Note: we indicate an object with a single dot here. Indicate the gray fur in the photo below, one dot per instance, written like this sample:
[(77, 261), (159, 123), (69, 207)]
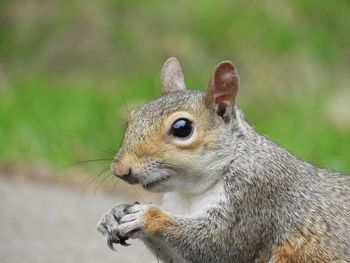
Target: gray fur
[(268, 194)]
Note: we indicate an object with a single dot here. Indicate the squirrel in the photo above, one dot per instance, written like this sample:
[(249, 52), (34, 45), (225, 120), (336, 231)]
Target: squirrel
[(231, 195)]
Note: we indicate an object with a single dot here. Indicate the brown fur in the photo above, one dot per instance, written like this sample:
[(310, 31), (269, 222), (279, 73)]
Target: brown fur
[(305, 245), (272, 207), (156, 143), (154, 220)]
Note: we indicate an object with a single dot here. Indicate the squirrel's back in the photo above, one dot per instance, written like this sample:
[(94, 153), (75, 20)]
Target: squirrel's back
[(307, 208)]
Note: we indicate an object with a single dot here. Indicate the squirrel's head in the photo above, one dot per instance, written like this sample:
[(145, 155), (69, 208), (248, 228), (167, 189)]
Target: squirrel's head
[(171, 142)]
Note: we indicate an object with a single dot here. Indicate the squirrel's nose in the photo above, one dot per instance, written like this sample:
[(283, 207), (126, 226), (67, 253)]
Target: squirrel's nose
[(124, 172), (120, 169)]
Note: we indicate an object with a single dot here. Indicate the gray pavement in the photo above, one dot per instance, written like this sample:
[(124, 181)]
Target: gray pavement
[(47, 223)]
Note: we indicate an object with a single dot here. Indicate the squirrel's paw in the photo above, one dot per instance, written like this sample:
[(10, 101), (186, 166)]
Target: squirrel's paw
[(132, 223), (109, 224)]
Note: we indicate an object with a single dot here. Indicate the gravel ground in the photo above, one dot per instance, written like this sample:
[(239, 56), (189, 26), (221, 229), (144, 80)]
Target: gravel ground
[(47, 223)]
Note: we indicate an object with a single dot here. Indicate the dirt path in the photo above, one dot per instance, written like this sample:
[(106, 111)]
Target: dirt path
[(46, 223)]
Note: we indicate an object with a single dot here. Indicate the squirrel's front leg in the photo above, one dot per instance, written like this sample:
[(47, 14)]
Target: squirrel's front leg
[(132, 221), (195, 239), (136, 221)]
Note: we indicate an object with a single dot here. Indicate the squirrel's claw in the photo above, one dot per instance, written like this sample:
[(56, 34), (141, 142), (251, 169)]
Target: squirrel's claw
[(110, 241), (115, 238), (108, 226), (123, 242)]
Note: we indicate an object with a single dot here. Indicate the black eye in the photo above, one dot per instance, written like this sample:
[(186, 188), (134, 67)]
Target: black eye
[(181, 128)]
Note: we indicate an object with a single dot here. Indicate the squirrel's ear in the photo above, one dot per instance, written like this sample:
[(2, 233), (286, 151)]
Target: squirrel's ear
[(222, 89), (172, 78)]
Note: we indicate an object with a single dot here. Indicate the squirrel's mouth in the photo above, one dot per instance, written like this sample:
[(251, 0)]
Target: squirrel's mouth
[(153, 185)]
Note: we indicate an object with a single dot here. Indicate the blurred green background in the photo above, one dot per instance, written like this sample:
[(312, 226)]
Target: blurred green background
[(68, 70)]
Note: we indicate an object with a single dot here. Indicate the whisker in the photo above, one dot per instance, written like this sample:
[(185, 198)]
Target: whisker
[(105, 149), (102, 181), (89, 181), (94, 177), (115, 185), (80, 162), (123, 98)]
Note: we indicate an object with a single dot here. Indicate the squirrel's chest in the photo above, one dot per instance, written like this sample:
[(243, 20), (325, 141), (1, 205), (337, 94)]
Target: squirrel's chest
[(184, 204)]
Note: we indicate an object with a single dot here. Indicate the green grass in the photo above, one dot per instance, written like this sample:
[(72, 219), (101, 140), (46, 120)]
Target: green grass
[(68, 69), (61, 125)]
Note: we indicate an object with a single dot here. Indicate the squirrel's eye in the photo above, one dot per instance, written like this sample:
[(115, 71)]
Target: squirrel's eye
[(181, 128)]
